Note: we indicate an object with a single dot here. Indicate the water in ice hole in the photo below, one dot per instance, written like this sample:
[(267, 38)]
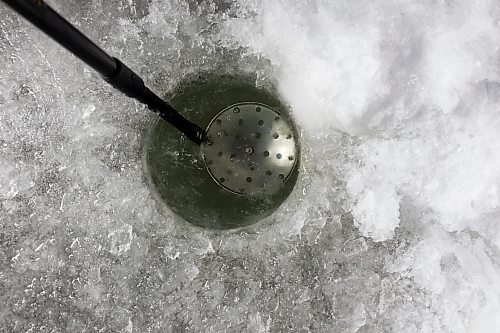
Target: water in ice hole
[(178, 177), (395, 224)]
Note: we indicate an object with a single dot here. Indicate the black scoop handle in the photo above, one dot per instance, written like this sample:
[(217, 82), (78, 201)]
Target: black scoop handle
[(111, 69)]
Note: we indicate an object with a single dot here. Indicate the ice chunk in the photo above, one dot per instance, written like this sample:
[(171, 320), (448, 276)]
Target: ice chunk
[(121, 239), (376, 209)]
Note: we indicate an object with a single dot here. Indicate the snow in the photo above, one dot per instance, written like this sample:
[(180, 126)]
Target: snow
[(393, 225)]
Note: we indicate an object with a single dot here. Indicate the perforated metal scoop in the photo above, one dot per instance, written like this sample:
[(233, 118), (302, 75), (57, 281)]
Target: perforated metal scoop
[(250, 149)]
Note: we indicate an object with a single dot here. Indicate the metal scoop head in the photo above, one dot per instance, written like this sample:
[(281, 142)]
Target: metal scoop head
[(250, 149)]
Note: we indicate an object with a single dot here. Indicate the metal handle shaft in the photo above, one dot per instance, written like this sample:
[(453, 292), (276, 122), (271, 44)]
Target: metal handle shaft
[(111, 69)]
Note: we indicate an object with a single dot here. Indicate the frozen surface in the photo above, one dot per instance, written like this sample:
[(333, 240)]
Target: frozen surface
[(394, 226)]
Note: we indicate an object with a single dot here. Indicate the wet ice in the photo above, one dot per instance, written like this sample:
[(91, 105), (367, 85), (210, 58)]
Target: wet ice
[(394, 223)]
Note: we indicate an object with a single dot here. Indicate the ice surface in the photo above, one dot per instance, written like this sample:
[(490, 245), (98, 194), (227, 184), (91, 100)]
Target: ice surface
[(394, 226)]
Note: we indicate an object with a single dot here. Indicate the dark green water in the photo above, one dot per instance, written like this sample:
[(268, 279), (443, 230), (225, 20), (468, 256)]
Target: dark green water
[(175, 168)]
